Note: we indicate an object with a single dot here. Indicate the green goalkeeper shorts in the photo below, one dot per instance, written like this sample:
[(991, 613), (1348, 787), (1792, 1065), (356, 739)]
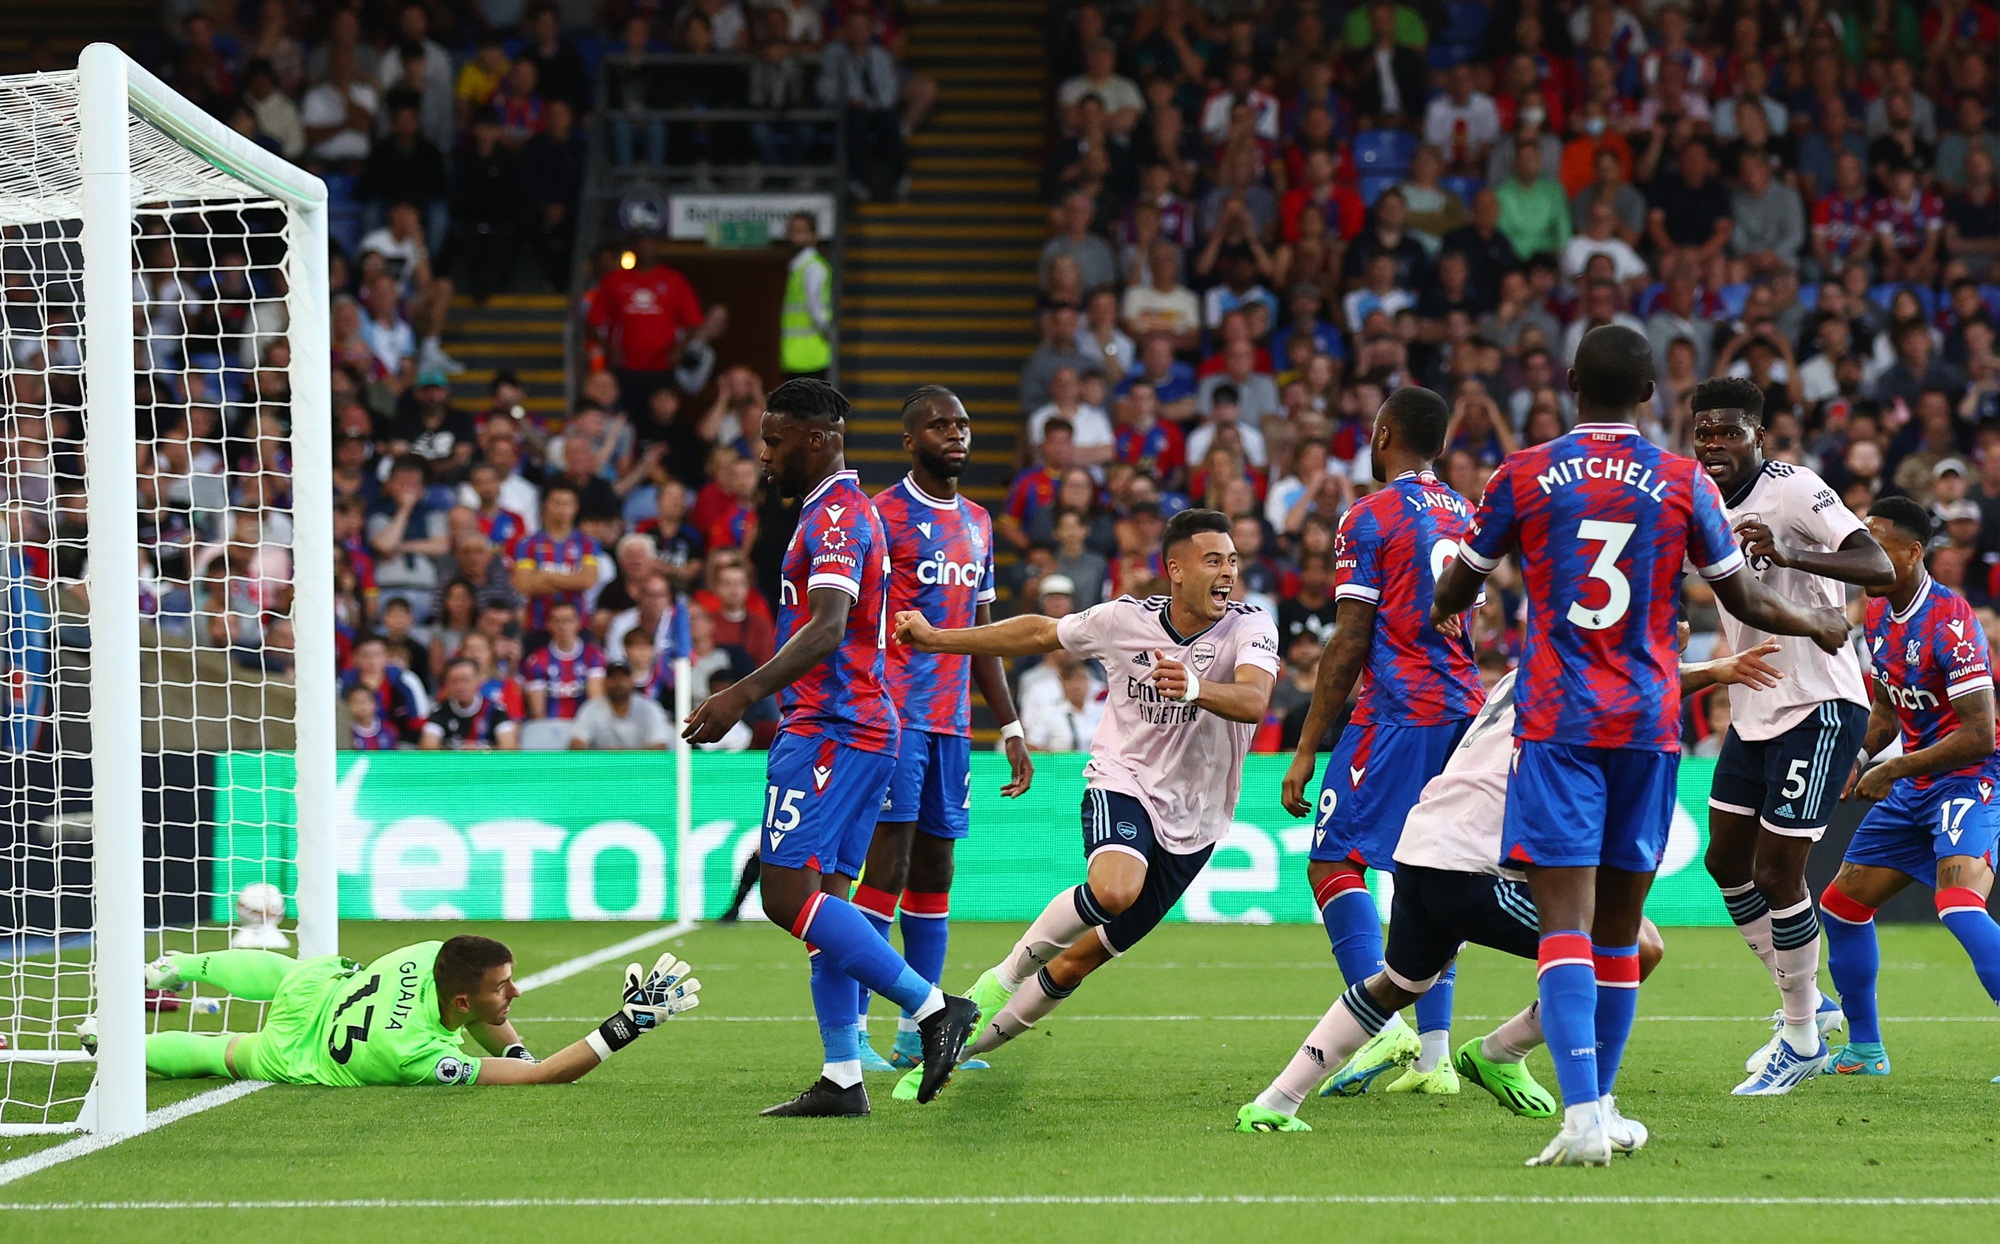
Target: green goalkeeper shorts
[(286, 1048)]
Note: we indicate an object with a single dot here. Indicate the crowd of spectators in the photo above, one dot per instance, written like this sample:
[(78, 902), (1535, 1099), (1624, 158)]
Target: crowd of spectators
[(505, 576), (1266, 217)]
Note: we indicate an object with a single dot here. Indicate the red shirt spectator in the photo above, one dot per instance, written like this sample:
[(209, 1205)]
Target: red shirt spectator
[(737, 624), (1346, 215), (645, 312)]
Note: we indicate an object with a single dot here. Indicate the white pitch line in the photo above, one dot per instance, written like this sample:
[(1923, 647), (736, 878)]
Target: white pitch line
[(83, 1146), (617, 950), (1223, 1200)]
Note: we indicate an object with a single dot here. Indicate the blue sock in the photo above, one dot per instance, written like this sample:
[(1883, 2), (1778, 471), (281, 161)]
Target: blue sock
[(833, 1005), (1434, 1008), (1567, 985), (879, 907), (926, 924), (844, 936), (1617, 972), (1964, 913), (1353, 925), (1853, 960)]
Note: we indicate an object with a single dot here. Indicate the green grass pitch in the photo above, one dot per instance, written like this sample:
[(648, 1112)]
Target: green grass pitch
[(1105, 1123)]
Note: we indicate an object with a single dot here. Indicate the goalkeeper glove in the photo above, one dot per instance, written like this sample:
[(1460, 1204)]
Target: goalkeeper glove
[(519, 1051), (651, 999)]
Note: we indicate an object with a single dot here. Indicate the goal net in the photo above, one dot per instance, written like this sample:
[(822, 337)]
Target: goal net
[(166, 631)]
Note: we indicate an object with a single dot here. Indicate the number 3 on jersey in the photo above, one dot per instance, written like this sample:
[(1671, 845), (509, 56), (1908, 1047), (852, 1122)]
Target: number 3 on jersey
[(1611, 539)]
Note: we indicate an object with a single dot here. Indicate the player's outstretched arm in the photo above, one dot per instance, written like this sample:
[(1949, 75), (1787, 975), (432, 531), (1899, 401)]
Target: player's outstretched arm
[(1339, 667), (808, 647), (651, 999), (1028, 635), (1246, 699), (1746, 669), (1859, 559), (1971, 743), (1742, 595), (992, 679)]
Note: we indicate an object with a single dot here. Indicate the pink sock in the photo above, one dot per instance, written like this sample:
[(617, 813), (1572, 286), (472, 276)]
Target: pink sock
[(1512, 1041), (1036, 997), (1337, 1035)]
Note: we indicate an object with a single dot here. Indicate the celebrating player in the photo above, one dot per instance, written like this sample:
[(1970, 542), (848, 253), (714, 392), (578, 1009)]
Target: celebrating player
[(1936, 823), (830, 765), (403, 1019), (1191, 676), (1420, 689), (1787, 750), (941, 565), (1595, 709), (1449, 890)]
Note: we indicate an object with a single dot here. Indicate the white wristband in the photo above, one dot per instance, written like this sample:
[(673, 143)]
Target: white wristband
[(598, 1045), (1193, 691), (1012, 730)]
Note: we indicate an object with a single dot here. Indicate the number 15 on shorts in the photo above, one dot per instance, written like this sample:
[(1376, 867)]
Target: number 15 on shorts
[(781, 813)]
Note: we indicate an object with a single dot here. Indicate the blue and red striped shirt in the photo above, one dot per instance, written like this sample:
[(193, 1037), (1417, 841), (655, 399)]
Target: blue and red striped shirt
[(840, 544), (564, 676), (1391, 547), (1604, 522), (941, 565), (573, 552)]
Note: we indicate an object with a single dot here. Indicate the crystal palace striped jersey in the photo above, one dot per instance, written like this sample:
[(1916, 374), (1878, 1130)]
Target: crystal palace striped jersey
[(941, 565), (1924, 658), (1391, 547), (840, 544), (1603, 520)]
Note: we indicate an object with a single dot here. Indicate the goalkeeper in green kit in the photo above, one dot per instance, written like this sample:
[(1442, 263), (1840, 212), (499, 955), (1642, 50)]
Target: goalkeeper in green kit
[(402, 1019)]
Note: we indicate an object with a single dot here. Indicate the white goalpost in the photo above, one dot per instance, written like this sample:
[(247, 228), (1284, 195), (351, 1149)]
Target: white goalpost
[(166, 572)]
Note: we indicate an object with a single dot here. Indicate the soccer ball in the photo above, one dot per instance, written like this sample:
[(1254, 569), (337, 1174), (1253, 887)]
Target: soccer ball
[(259, 908)]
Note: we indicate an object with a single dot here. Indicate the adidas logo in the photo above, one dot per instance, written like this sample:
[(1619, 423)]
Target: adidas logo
[(1143, 661), (1314, 1053), (1787, 813)]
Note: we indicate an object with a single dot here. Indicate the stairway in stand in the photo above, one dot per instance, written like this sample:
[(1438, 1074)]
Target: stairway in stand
[(521, 333), (941, 289)]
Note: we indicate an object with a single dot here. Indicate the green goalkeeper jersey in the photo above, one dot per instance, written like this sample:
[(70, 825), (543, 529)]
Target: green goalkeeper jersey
[(332, 1023)]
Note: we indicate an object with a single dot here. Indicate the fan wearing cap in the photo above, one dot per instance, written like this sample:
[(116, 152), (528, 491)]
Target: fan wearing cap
[(1949, 483)]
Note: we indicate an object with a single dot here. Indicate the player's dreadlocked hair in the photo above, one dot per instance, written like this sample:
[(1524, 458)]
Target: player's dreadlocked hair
[(1729, 393), (1905, 516), (921, 399), (463, 962), (1420, 418), (809, 401)]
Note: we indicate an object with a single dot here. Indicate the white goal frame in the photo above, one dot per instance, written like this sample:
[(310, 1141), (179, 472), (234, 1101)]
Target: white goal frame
[(113, 91)]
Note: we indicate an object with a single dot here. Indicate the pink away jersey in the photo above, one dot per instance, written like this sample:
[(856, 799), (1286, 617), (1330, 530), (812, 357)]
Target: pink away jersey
[(1183, 764)]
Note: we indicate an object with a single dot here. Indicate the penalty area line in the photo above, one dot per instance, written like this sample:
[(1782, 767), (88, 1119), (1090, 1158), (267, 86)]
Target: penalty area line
[(84, 1146), (838, 1202)]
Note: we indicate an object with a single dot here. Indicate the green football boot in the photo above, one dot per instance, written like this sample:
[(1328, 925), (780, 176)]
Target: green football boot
[(1394, 1046), (1439, 1081), (1256, 1118), (1510, 1083)]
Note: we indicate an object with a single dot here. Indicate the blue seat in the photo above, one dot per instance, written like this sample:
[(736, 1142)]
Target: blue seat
[(1990, 295), (1443, 56), (1809, 297), (1733, 298), (1384, 151), (1466, 188), (1373, 184), (1465, 22), (1649, 299)]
